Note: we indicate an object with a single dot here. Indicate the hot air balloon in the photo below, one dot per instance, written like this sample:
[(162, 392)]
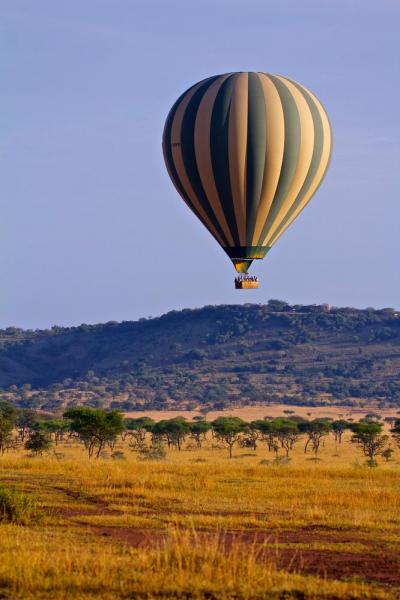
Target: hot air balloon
[(246, 152)]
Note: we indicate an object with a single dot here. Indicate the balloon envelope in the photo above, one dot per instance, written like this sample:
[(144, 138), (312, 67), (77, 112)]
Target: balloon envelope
[(246, 152)]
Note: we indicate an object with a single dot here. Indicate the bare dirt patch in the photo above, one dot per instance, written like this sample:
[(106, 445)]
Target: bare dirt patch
[(378, 565), (138, 538)]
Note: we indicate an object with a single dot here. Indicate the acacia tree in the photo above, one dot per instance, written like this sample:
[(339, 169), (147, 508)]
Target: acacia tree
[(287, 432), (173, 431), (177, 429), (8, 415), (25, 422), (368, 436), (95, 427), (395, 431), (56, 428), (228, 430), (250, 437), (137, 429), (266, 432), (315, 431), (198, 431), (338, 428)]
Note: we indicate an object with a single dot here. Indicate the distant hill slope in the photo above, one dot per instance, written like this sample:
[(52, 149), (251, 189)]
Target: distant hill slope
[(217, 355)]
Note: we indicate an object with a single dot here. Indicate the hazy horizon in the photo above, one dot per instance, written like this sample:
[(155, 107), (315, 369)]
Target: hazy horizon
[(91, 223)]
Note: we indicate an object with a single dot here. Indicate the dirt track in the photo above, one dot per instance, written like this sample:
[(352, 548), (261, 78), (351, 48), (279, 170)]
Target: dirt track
[(377, 564)]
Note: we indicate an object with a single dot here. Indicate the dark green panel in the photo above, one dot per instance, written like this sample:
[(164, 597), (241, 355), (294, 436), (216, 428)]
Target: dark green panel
[(290, 153), (256, 149), (220, 153), (167, 145), (246, 252), (189, 153)]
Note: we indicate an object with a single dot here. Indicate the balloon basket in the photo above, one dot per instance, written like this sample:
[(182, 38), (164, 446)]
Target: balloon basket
[(246, 282)]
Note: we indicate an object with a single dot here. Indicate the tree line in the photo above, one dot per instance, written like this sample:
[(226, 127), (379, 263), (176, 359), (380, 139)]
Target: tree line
[(97, 429)]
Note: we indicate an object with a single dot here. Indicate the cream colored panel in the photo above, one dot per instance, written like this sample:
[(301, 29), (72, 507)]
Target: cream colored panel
[(303, 161), (274, 152), (325, 156)]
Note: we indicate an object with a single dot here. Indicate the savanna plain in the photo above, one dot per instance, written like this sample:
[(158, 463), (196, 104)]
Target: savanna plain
[(198, 524)]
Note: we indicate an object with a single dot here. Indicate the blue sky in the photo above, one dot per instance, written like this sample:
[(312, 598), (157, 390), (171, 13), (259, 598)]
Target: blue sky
[(91, 224)]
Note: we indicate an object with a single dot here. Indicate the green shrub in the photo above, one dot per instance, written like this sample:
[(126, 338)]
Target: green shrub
[(154, 452), (16, 507)]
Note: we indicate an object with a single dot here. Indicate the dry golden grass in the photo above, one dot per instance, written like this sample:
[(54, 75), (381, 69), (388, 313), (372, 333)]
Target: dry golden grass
[(219, 528), (250, 413)]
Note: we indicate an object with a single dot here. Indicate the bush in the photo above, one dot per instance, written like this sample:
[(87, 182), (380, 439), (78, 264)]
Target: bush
[(282, 460), (118, 455), (38, 442), (154, 452), (16, 507)]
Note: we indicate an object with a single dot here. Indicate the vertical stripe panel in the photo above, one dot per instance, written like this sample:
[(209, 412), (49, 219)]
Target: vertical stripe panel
[(237, 146), (178, 161), (220, 153), (290, 153), (275, 126), (325, 158), (256, 149), (316, 158), (169, 162), (189, 153), (303, 160), (167, 147), (203, 154)]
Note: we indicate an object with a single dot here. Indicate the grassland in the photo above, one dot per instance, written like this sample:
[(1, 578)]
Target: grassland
[(259, 411), (199, 525)]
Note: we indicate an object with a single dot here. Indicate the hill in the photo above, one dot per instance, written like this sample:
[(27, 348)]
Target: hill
[(219, 356)]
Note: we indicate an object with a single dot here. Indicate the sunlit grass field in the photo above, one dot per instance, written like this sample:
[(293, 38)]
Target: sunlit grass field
[(201, 525)]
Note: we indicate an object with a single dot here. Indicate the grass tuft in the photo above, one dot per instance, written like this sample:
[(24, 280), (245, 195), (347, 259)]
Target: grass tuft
[(17, 507)]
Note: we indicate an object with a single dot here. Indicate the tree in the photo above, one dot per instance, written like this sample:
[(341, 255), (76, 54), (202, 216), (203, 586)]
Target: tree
[(8, 415), (173, 430), (387, 453), (368, 435), (277, 305), (25, 422), (338, 428), (228, 430), (95, 427), (57, 428), (137, 430), (395, 431), (38, 441), (373, 416), (250, 438), (266, 431), (198, 431), (287, 432), (315, 431)]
